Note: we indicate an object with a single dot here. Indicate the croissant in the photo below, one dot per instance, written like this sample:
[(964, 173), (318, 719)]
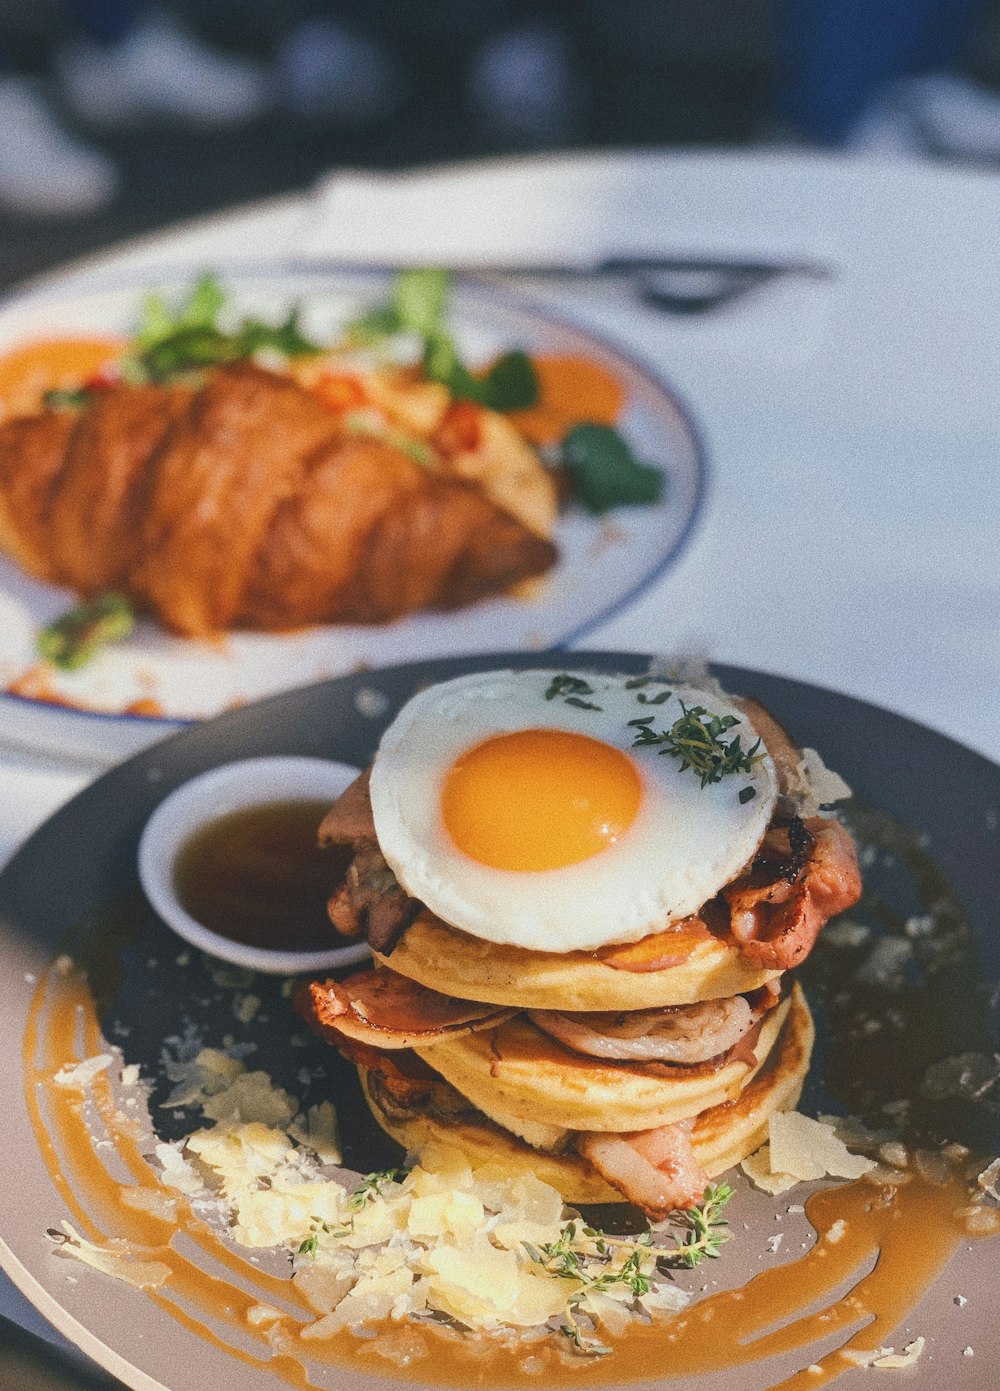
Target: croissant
[(246, 503)]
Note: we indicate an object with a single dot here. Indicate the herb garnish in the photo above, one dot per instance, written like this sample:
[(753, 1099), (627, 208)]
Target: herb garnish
[(604, 471), (707, 1230), (72, 640), (588, 1257), (696, 739), (367, 1191), (370, 1187), (419, 305), (570, 689), (171, 343), (658, 699), (67, 398), (310, 1246)]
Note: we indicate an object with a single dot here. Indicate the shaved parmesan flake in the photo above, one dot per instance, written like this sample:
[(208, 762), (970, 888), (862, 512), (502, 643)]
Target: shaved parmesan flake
[(209, 1072), (906, 1358), (245, 1007), (987, 1180), (80, 1075), (844, 932), (885, 1357), (317, 1131), (809, 1150), (252, 1097), (176, 1172), (150, 1200), (757, 1168), (115, 1259), (864, 1358), (823, 783)]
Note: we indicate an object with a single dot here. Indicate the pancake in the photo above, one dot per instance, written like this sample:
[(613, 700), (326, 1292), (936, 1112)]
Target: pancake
[(703, 967), (722, 1137), (525, 1073)]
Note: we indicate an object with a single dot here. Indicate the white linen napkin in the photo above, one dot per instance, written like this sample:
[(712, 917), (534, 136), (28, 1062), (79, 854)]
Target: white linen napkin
[(567, 210), (578, 211)]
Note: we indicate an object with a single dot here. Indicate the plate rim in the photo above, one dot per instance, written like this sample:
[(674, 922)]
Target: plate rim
[(606, 660), (480, 289)]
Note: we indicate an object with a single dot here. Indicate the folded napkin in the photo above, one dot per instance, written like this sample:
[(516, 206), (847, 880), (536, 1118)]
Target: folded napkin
[(568, 210), (579, 211)]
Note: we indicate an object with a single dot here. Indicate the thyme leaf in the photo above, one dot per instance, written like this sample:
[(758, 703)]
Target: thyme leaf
[(596, 1263), (696, 738), (707, 1230), (370, 1187), (571, 689)]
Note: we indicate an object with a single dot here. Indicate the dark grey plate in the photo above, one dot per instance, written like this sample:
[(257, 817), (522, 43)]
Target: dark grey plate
[(84, 859)]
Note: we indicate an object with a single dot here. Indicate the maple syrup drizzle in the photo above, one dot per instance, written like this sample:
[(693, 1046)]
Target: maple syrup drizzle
[(883, 1245), (908, 1233)]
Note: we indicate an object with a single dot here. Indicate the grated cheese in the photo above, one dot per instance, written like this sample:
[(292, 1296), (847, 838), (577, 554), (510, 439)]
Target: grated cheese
[(809, 1149), (813, 785), (445, 1240)]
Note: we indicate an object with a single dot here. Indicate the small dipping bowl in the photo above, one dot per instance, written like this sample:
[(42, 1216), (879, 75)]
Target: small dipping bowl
[(193, 807)]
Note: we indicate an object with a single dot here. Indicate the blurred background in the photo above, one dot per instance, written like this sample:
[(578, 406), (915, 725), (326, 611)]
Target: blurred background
[(117, 117)]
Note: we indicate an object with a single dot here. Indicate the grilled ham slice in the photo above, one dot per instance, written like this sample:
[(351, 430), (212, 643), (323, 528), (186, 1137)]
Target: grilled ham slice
[(654, 1169), (676, 1034), (386, 1010)]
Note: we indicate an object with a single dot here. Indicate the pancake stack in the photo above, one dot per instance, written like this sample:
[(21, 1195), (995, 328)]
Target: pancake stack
[(622, 1024)]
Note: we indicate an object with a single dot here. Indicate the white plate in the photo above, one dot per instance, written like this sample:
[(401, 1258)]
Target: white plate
[(603, 563)]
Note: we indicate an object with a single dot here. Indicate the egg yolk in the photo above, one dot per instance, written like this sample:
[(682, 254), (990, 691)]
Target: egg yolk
[(539, 799)]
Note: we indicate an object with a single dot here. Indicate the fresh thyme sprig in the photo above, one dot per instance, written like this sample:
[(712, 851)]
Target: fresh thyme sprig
[(599, 1264), (695, 737), (707, 1230), (367, 1191), (583, 1254)]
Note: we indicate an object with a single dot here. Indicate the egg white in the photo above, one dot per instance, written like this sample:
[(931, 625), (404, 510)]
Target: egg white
[(685, 843)]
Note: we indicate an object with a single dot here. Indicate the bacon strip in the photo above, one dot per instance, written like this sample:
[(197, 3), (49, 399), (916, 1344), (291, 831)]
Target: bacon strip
[(370, 901), (386, 1010), (795, 885), (654, 1169)]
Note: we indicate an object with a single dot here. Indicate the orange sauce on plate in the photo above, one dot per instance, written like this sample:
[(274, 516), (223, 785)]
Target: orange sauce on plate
[(892, 1244), (793, 1326), (28, 371)]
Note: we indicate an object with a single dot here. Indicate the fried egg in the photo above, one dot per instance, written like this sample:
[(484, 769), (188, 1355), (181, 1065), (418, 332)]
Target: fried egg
[(519, 807)]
